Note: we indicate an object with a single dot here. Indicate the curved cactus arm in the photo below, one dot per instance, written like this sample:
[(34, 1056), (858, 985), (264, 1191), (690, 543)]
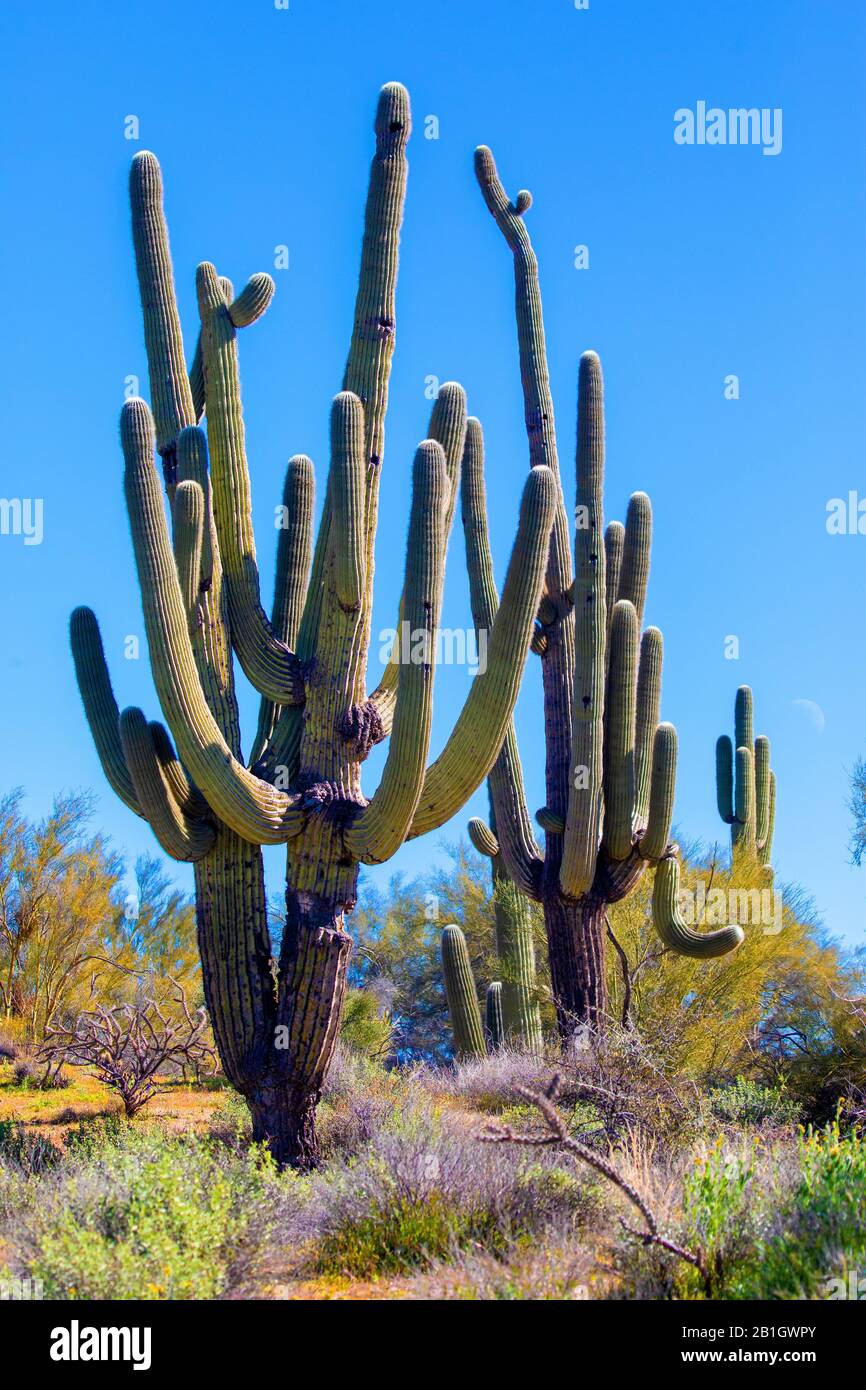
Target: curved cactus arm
[(494, 1022), (637, 544), (725, 778), (187, 796), (255, 810), (270, 666), (584, 815), (382, 826), (294, 555), (520, 852), (558, 653), (482, 724), (100, 706), (179, 834), (649, 694), (668, 921), (483, 838), (620, 725), (653, 843), (249, 306), (169, 384), (188, 516), (448, 428), (744, 823), (461, 995), (765, 848)]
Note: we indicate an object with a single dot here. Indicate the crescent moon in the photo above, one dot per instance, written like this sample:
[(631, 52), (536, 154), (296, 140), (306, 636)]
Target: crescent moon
[(813, 713)]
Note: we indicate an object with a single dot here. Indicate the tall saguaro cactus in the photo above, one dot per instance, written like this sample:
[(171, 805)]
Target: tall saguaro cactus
[(202, 606), (750, 810), (610, 765)]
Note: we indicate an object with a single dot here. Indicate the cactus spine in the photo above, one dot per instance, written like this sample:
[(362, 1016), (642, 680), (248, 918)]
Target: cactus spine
[(747, 802), (610, 764), (461, 995), (202, 606)]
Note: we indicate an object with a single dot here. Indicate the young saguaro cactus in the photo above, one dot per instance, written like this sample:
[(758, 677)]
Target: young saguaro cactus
[(610, 765), (461, 995), (202, 607), (750, 811), (515, 948)]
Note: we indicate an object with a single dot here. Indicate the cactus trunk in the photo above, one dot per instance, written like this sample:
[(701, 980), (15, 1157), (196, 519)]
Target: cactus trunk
[(576, 940)]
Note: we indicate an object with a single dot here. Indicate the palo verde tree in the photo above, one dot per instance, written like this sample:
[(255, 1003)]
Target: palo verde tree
[(201, 597), (610, 765)]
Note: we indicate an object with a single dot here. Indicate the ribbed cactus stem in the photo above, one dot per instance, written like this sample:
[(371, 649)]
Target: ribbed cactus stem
[(747, 800), (674, 932), (461, 994), (493, 1017)]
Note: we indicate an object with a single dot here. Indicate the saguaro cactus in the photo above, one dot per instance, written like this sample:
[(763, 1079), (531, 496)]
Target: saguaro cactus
[(515, 948), (750, 810), (201, 599), (460, 992), (610, 764)]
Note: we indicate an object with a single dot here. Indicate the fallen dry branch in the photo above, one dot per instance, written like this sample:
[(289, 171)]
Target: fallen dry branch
[(556, 1135)]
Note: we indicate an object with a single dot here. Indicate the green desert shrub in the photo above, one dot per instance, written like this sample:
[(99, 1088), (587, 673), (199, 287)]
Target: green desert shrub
[(746, 1102), (142, 1216)]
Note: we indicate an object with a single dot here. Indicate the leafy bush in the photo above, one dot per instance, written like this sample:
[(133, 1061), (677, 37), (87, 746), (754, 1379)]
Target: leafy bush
[(748, 1103), (819, 1234), (135, 1216), (29, 1152), (366, 1028)]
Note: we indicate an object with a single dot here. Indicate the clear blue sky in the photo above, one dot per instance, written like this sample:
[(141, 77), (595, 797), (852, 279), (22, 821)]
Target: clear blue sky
[(704, 261)]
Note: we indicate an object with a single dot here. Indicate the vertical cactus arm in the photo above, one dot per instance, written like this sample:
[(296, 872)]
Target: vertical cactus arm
[(256, 811), (653, 842), (181, 836), (558, 655), (584, 815), (744, 736), (649, 693), (637, 544), (494, 1022), (744, 824), (614, 545), (383, 824), (725, 778), (100, 706), (368, 368), (519, 848), (169, 384), (196, 382), (448, 428), (515, 948), (347, 498), (294, 554), (483, 722), (187, 796), (187, 535), (619, 742), (668, 920), (270, 666), (461, 995), (762, 789), (765, 848)]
